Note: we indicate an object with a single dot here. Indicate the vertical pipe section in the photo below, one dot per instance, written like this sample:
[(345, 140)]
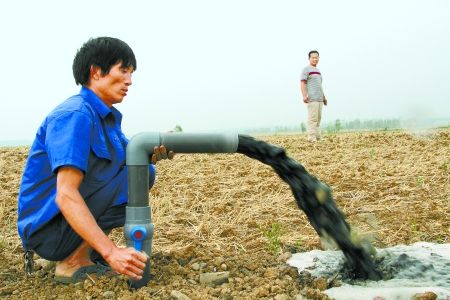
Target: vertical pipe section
[(139, 149)]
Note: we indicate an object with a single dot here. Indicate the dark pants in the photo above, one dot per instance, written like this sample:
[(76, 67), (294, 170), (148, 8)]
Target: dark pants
[(57, 240)]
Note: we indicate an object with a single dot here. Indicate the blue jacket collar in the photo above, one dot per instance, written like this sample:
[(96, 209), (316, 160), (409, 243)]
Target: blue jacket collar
[(102, 109)]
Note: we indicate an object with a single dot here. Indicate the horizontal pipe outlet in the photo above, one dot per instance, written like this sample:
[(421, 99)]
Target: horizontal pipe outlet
[(141, 146)]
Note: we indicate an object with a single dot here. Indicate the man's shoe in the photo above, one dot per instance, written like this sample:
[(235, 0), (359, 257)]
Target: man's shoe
[(81, 274)]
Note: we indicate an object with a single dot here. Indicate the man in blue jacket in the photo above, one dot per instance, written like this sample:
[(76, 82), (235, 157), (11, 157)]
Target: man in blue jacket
[(74, 186)]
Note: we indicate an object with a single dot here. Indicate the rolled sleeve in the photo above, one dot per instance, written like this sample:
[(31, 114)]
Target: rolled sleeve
[(67, 140)]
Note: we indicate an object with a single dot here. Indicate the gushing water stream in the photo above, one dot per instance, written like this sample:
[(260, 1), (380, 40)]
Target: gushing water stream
[(315, 199), (394, 273)]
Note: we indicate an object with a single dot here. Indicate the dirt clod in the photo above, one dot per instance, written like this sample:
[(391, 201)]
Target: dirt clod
[(425, 296)]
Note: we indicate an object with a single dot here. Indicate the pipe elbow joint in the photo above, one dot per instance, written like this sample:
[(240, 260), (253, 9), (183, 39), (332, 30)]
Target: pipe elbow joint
[(140, 147)]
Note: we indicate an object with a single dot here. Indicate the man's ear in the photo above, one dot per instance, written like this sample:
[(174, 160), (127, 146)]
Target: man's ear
[(95, 72)]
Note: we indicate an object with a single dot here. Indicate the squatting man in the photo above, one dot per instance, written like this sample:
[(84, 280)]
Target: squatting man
[(74, 185)]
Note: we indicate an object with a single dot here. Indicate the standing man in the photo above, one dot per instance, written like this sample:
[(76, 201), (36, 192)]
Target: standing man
[(74, 186), (313, 96)]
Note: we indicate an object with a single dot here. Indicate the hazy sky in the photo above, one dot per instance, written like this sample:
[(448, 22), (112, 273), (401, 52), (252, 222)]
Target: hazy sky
[(220, 65)]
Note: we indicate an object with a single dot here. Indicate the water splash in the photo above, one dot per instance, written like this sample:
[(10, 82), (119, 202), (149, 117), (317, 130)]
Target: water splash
[(406, 270)]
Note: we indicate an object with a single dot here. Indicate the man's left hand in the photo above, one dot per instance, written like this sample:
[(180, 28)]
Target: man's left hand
[(325, 102), (161, 153)]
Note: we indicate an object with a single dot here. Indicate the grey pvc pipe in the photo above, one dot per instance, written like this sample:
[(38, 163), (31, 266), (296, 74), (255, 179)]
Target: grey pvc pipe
[(139, 150), (141, 147)]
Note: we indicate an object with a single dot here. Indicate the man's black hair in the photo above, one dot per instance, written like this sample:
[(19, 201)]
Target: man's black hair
[(312, 52), (103, 52)]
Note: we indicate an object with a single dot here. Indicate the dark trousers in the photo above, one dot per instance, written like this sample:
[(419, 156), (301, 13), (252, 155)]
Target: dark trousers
[(57, 240)]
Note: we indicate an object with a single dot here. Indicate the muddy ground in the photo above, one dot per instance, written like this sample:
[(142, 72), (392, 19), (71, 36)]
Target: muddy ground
[(228, 213)]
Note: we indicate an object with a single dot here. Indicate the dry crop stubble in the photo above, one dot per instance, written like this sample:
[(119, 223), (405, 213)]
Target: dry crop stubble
[(392, 186)]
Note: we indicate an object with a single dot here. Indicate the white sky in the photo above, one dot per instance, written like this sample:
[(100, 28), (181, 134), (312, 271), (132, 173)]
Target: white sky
[(220, 65)]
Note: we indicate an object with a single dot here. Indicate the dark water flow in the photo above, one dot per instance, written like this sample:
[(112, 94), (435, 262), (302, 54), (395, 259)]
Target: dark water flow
[(315, 199)]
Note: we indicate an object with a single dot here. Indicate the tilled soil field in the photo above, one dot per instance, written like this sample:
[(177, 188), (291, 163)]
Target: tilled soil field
[(230, 215)]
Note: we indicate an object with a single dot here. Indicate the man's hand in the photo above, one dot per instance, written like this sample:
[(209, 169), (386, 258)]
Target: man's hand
[(127, 261), (161, 153), (325, 102), (306, 99)]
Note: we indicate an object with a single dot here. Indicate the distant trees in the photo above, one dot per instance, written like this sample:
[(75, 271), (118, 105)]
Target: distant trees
[(177, 128), (357, 124), (303, 127), (335, 126)]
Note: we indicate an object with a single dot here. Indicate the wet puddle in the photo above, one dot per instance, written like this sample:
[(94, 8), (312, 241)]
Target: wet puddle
[(406, 271)]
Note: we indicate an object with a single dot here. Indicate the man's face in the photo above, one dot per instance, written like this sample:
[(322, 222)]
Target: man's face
[(314, 59), (112, 87)]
